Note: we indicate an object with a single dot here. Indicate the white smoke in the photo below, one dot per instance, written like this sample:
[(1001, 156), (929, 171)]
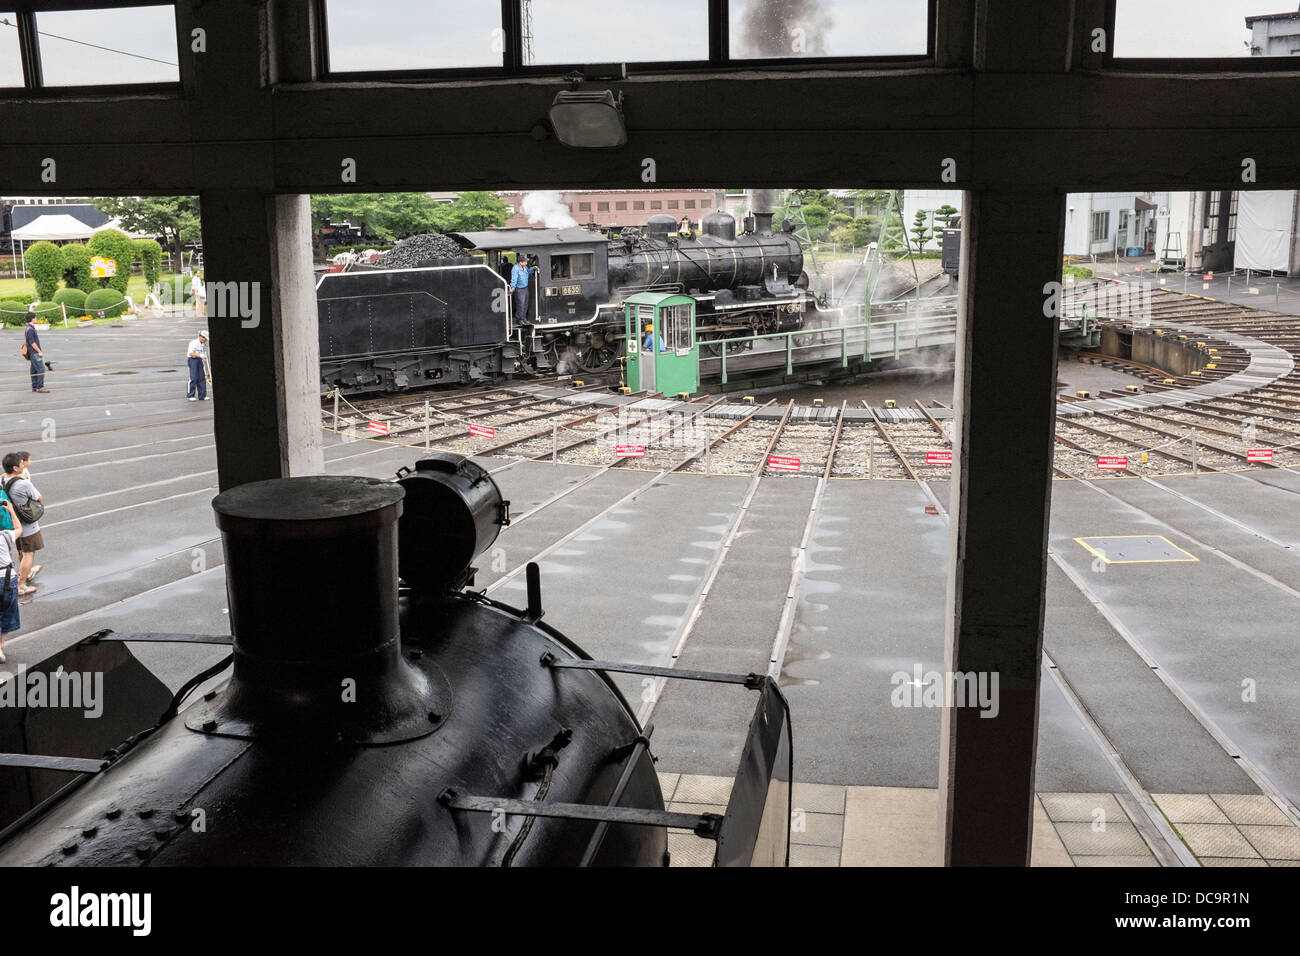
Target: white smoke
[(545, 207), (784, 28)]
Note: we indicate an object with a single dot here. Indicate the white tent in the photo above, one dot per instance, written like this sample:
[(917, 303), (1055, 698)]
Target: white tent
[(57, 227)]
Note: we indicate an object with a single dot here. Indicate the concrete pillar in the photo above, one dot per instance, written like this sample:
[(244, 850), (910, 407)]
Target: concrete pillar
[(264, 345), (1003, 437)]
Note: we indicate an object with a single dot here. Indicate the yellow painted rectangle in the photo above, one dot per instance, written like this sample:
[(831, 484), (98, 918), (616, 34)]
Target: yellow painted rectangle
[(1115, 537)]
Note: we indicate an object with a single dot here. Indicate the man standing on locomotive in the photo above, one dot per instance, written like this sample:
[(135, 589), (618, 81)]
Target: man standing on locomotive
[(520, 276)]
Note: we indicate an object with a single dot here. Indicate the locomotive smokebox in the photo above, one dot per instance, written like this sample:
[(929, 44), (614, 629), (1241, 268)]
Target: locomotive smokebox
[(311, 568)]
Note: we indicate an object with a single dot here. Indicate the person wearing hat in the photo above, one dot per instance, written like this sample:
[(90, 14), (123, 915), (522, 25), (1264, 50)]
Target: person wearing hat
[(520, 278), (198, 352), (648, 343)]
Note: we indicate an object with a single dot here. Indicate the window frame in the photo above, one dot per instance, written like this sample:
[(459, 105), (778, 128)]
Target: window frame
[(567, 258), (29, 49), (719, 58), (1180, 64), (1102, 216)]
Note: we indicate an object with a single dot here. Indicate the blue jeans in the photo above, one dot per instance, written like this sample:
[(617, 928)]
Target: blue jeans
[(38, 371), (9, 602), (521, 304), (197, 380)]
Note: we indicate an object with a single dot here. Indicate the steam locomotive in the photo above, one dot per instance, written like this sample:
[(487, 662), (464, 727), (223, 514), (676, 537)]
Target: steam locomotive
[(450, 320), (401, 720)]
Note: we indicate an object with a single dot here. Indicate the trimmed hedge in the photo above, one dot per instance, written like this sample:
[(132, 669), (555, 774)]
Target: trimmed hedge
[(48, 312), (13, 313), (45, 263), (74, 299), (108, 301), (76, 268), (150, 255), (116, 245), (175, 291)]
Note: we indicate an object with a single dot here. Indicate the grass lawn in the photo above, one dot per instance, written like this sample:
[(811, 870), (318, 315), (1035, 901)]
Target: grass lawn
[(136, 288)]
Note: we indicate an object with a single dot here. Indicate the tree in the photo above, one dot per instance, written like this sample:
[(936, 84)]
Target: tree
[(175, 218), (116, 245), (817, 216), (380, 216), (76, 268), (150, 255), (472, 212), (920, 228), (45, 263)]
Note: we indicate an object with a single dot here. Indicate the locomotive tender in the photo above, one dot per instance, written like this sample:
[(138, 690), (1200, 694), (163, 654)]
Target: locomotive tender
[(450, 321)]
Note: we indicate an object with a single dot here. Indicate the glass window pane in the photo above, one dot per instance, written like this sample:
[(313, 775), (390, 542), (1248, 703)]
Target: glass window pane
[(108, 47), (11, 66), (412, 35), (837, 28), (617, 31), (1206, 28)]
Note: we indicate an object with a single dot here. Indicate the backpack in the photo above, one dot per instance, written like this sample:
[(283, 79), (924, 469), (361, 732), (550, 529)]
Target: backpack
[(6, 523), (28, 513)]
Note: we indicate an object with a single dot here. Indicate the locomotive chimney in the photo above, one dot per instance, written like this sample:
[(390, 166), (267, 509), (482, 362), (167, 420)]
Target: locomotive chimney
[(311, 569), (763, 223)]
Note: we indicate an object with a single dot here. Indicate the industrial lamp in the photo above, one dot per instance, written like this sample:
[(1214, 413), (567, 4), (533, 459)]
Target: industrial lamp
[(589, 119)]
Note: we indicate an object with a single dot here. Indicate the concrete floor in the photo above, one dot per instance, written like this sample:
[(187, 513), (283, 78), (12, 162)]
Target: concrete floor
[(128, 474)]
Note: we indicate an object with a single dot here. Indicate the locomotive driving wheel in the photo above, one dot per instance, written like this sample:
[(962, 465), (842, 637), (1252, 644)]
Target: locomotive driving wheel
[(711, 344), (599, 353)]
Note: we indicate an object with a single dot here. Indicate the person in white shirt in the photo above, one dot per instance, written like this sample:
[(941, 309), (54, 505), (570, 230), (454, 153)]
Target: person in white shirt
[(200, 293), (198, 353)]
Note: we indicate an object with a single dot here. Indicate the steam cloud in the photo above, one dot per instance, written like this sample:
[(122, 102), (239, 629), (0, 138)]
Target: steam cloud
[(545, 207), (784, 28)]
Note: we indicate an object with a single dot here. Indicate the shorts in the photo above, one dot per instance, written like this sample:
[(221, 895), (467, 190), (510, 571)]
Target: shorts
[(9, 604), (31, 544)]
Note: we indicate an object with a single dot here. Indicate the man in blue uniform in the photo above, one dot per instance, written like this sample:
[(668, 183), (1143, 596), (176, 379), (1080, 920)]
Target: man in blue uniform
[(519, 279)]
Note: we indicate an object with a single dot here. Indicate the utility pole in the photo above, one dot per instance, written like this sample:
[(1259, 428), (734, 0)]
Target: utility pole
[(526, 28)]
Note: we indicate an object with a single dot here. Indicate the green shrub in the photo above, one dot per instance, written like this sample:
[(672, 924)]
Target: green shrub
[(74, 299), (175, 291), (76, 268), (13, 313), (48, 312), (116, 245), (108, 301), (150, 255), (45, 263)]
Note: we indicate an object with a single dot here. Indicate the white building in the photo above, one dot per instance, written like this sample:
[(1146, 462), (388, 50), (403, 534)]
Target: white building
[(927, 201), (1106, 223), (1275, 34)]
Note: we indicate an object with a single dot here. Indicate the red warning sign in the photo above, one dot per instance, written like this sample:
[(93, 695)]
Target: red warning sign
[(778, 463), (1112, 463), (379, 428), (629, 451), (483, 431), (1259, 454), (931, 510), (938, 458)]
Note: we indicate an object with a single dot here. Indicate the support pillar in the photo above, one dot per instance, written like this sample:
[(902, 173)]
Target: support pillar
[(1001, 493), (264, 345)]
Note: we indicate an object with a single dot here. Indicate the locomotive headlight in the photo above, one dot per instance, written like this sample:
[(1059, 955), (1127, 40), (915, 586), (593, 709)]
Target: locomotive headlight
[(589, 119)]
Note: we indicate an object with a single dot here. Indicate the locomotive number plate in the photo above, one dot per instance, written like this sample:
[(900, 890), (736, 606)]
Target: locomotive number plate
[(571, 290)]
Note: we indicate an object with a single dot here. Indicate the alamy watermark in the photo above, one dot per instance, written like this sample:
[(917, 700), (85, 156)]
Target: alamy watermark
[(78, 690), (977, 689)]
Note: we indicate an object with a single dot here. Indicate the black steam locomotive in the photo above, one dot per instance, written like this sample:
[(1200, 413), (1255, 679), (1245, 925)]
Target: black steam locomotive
[(451, 320), (381, 723)]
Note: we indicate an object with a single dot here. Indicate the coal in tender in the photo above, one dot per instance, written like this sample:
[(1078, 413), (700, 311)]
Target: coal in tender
[(418, 250)]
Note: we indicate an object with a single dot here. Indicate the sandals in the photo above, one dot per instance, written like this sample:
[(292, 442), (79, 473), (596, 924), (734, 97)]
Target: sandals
[(31, 575), (26, 591)]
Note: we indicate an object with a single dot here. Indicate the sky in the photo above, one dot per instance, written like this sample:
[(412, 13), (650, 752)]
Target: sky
[(415, 34)]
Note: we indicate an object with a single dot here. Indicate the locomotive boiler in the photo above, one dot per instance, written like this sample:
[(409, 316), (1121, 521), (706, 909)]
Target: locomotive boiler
[(378, 711), (450, 320)]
